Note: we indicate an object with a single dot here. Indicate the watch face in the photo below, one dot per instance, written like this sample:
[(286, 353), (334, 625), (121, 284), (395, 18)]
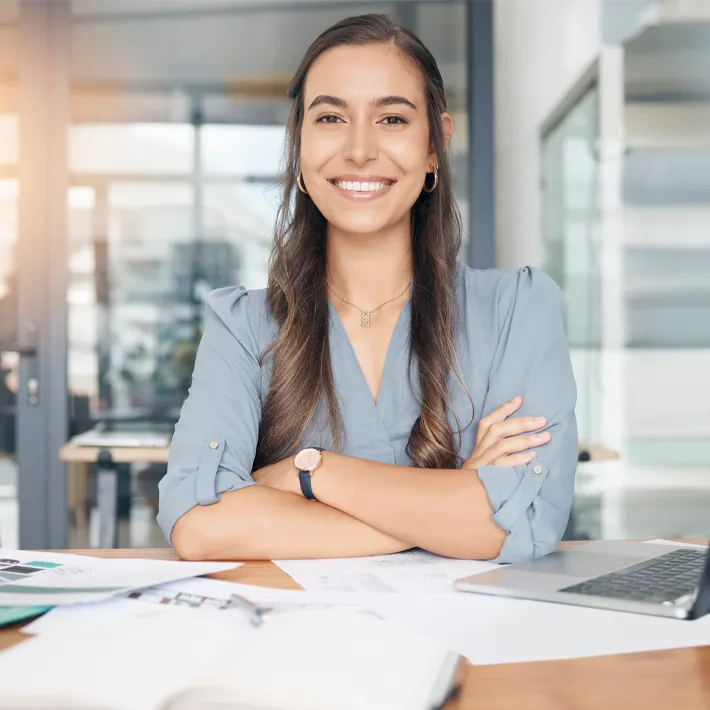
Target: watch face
[(307, 459)]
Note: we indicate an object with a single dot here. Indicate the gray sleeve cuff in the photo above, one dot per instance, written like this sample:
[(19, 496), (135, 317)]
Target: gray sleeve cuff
[(204, 488), (511, 492)]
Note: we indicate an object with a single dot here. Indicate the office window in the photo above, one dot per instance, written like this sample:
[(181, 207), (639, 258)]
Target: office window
[(133, 149)]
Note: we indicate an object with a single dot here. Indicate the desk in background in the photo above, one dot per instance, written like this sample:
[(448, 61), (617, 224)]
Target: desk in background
[(660, 680), (80, 461)]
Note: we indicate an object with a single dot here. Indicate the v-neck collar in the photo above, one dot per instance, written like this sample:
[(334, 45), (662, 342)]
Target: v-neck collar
[(394, 343)]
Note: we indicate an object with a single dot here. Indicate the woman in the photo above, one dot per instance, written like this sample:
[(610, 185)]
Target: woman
[(373, 344)]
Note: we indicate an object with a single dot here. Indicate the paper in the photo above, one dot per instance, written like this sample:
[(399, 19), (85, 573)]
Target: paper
[(186, 594), (484, 629), (414, 571), (118, 666), (340, 659), (49, 579), (490, 630), (193, 594)]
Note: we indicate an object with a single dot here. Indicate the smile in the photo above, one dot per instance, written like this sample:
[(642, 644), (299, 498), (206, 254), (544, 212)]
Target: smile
[(362, 189)]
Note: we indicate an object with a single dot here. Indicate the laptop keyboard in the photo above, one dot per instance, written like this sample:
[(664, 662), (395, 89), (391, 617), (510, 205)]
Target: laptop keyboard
[(662, 579)]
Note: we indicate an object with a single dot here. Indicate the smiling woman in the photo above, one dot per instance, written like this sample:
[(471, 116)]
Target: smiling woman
[(378, 395), (343, 136)]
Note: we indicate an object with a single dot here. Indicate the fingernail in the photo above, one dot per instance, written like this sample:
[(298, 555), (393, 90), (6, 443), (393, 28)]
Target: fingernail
[(516, 400), (545, 436), (540, 420), (531, 455)]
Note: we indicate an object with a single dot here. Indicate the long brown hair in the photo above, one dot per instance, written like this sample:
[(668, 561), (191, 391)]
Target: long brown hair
[(302, 376)]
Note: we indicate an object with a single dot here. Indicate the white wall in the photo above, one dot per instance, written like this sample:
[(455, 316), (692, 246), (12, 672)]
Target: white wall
[(540, 47)]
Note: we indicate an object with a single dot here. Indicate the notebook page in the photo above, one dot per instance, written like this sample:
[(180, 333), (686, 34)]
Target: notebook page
[(327, 660), (132, 665)]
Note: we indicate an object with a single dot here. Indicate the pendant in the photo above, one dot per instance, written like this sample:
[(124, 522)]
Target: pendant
[(364, 319)]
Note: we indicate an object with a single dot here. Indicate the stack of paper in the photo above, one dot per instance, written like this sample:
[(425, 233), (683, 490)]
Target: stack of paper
[(46, 578), (33, 582)]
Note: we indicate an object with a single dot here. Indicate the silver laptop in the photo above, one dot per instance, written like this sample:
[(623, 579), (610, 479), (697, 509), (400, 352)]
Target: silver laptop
[(662, 580)]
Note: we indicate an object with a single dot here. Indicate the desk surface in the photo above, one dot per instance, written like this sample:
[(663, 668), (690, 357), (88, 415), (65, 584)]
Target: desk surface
[(654, 681), (76, 453)]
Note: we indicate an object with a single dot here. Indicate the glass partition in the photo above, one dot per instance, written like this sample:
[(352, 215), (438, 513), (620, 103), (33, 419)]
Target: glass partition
[(626, 207), (571, 225)]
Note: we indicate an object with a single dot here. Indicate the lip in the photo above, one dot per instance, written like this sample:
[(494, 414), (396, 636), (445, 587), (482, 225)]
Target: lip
[(362, 178), (360, 196)]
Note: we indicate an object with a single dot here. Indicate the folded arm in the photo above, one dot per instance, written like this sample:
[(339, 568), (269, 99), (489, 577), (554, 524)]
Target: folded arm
[(441, 510), (261, 523)]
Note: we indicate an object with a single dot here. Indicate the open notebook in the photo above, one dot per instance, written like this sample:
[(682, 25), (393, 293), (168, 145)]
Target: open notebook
[(183, 659)]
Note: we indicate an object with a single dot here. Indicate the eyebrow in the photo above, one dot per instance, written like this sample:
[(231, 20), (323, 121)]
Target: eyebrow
[(322, 99)]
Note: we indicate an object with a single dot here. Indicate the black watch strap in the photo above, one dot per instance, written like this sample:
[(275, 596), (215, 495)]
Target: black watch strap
[(305, 478)]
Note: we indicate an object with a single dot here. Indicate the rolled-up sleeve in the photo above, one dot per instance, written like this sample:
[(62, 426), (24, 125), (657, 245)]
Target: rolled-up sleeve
[(214, 443), (532, 502)]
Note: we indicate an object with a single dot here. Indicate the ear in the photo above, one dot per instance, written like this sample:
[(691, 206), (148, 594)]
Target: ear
[(447, 123)]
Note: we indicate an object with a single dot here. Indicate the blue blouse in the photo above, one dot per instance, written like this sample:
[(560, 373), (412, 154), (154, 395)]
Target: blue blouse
[(510, 342)]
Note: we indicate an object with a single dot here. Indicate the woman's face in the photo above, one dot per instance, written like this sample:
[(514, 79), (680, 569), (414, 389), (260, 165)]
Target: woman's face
[(365, 147)]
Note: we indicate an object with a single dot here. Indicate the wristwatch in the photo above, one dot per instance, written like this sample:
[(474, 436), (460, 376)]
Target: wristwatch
[(306, 462)]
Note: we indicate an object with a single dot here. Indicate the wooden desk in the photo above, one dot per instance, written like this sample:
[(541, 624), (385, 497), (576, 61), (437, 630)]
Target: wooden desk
[(593, 452), (661, 680), (76, 454)]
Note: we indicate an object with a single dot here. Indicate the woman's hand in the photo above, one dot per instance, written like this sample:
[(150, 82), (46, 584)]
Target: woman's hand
[(281, 475), (499, 439)]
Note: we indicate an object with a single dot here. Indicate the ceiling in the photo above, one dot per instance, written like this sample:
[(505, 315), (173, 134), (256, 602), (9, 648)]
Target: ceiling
[(212, 41), (160, 50)]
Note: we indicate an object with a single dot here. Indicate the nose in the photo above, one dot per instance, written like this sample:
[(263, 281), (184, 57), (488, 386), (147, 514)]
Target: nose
[(363, 143)]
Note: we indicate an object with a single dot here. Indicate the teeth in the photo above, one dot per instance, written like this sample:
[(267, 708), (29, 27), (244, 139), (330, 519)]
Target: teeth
[(361, 186)]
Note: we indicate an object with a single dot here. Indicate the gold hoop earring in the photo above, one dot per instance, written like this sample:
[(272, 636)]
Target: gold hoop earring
[(299, 183), (436, 181)]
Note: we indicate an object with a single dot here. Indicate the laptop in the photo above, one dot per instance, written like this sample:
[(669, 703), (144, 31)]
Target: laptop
[(661, 580)]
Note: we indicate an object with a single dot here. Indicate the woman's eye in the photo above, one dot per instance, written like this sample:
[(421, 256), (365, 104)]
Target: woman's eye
[(393, 120), (330, 118)]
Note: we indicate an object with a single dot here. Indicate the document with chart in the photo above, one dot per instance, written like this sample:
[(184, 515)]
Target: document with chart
[(30, 578)]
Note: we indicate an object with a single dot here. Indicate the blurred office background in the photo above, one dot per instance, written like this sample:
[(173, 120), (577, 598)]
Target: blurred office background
[(140, 142)]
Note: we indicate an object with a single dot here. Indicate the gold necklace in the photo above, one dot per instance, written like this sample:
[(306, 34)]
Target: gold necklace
[(365, 315)]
